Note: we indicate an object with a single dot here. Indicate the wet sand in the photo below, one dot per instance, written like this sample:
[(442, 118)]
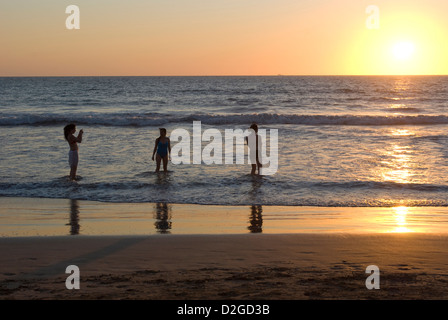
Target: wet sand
[(237, 266), (24, 217)]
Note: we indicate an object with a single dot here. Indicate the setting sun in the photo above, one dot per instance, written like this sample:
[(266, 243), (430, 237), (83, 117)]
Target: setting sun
[(407, 42), (403, 50)]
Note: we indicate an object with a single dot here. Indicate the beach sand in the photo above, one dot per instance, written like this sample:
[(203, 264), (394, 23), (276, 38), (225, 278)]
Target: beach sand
[(215, 266)]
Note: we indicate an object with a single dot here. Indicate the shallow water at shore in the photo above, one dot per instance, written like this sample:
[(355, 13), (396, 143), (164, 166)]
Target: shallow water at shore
[(342, 141)]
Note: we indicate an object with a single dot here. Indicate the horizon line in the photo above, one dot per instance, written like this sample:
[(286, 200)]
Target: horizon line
[(236, 75)]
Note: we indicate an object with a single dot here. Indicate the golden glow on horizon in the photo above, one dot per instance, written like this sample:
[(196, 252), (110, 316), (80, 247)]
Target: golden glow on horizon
[(408, 42), (233, 37)]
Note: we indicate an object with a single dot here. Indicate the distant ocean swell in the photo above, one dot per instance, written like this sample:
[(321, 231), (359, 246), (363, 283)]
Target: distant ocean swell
[(157, 119)]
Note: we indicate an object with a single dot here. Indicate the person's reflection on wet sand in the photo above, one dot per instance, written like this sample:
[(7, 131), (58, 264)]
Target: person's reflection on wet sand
[(74, 217), (162, 216), (256, 219)]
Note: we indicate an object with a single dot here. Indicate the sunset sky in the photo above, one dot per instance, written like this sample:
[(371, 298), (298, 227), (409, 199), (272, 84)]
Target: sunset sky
[(223, 37)]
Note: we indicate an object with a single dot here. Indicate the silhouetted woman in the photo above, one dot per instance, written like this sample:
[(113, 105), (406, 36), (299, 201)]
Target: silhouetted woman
[(163, 148)]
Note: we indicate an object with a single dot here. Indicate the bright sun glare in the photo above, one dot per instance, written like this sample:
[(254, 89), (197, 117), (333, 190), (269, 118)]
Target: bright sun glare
[(403, 50)]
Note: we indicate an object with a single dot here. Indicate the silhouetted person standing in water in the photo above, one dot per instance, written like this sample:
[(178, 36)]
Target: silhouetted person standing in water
[(163, 148), (73, 159), (254, 149)]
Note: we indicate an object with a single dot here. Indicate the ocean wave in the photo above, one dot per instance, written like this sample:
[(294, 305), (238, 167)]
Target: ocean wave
[(157, 119), (269, 193)]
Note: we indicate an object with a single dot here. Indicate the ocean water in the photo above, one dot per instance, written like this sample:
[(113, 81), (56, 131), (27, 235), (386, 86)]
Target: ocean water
[(342, 141)]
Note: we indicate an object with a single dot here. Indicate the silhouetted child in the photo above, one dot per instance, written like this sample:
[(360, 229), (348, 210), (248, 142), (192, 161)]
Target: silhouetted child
[(163, 148), (254, 149)]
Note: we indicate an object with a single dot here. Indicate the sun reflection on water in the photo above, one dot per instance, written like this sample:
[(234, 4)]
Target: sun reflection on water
[(397, 164), (402, 132), (400, 215), (397, 159)]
